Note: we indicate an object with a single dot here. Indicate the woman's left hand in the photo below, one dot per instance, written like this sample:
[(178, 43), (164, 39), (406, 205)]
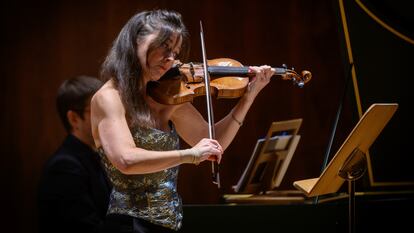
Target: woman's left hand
[(262, 78)]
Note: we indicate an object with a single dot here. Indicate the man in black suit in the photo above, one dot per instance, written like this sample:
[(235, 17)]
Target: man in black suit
[(74, 192)]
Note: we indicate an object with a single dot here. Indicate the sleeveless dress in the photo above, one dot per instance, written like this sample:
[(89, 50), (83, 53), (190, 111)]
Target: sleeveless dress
[(152, 197)]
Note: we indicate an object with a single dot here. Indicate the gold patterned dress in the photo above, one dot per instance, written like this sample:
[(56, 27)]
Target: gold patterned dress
[(152, 197)]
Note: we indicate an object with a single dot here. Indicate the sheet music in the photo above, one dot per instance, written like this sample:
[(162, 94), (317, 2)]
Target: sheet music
[(276, 143)]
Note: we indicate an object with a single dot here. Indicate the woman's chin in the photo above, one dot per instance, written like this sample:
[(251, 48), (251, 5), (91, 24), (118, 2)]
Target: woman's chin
[(157, 75), (154, 78)]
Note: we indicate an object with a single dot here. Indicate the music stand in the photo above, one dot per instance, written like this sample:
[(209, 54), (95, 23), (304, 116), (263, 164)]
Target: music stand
[(268, 164), (349, 163)]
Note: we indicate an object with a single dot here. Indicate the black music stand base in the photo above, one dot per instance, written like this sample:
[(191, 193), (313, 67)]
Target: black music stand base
[(353, 169)]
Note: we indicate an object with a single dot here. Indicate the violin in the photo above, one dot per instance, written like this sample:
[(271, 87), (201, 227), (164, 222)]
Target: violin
[(229, 79)]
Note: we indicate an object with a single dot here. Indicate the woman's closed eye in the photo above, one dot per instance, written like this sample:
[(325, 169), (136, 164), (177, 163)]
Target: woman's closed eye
[(168, 51)]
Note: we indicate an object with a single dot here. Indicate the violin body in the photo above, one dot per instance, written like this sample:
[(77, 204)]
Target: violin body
[(183, 82)]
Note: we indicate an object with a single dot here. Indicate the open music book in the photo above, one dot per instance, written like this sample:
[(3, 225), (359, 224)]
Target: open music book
[(270, 158)]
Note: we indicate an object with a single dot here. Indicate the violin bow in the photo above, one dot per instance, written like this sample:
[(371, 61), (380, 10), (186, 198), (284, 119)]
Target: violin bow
[(214, 164)]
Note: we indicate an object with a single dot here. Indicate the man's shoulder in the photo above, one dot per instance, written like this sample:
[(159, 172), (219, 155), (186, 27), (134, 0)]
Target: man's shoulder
[(63, 155), (64, 159)]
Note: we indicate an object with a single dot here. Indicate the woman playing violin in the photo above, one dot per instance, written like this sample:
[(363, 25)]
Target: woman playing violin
[(138, 138)]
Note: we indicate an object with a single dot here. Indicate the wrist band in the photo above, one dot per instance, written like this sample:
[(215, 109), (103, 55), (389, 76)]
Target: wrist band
[(189, 156), (237, 121)]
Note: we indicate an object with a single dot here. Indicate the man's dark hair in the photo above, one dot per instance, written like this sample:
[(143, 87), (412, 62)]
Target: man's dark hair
[(74, 94)]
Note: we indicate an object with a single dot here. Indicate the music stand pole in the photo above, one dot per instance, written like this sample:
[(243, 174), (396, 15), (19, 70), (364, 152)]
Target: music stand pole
[(335, 124), (353, 169)]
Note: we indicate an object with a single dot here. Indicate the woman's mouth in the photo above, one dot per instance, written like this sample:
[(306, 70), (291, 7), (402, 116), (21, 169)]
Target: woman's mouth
[(163, 68)]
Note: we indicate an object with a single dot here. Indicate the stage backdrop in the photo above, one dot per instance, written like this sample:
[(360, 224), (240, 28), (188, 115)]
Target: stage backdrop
[(378, 38)]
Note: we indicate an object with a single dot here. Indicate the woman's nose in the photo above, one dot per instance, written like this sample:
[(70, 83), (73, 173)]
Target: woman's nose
[(170, 56)]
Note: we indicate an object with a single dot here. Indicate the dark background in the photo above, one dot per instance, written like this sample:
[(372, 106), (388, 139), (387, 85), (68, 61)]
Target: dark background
[(45, 42), (383, 62)]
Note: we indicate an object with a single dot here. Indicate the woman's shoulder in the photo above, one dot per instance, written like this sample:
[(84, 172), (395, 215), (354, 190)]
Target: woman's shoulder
[(106, 97), (106, 93)]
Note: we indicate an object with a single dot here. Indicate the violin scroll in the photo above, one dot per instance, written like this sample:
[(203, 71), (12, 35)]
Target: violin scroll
[(298, 79)]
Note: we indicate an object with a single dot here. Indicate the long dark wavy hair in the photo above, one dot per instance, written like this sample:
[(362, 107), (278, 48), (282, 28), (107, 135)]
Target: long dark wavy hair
[(122, 64)]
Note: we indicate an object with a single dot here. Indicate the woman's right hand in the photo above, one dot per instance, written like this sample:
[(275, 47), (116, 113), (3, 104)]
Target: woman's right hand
[(205, 149)]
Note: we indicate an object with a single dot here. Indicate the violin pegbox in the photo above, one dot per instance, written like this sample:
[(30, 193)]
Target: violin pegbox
[(297, 79)]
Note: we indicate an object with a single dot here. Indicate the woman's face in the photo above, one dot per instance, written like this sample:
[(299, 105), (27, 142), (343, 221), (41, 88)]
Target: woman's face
[(159, 60)]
